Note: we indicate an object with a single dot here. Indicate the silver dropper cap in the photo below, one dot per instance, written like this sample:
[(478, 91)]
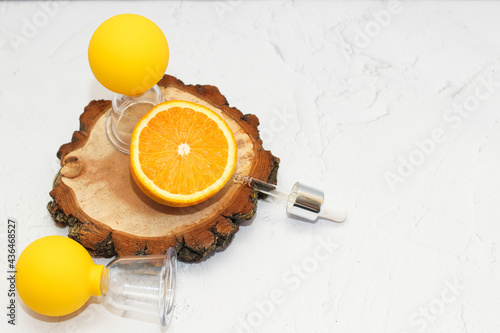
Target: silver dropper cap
[(309, 203)]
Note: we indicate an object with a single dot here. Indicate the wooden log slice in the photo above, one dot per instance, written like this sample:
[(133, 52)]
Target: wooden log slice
[(95, 195)]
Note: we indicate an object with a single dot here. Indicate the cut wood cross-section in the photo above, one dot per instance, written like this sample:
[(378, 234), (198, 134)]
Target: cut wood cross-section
[(94, 193)]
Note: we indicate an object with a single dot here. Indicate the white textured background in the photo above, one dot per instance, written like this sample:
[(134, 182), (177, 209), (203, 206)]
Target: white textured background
[(391, 107)]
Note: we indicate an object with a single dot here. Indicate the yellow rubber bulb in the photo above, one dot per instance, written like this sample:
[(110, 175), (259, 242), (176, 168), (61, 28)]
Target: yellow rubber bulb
[(128, 54), (56, 276)]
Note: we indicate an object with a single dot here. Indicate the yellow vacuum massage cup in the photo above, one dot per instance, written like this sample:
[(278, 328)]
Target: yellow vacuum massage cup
[(55, 276)]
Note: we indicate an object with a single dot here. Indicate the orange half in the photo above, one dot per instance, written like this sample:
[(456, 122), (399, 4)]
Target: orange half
[(182, 153)]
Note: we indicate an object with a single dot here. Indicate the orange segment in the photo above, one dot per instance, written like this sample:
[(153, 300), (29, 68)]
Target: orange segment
[(182, 153)]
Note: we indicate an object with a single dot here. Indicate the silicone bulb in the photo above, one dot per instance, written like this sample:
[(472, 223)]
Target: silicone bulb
[(333, 212), (128, 54), (56, 276)]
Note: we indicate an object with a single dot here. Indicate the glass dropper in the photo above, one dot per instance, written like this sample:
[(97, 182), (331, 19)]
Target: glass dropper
[(302, 201)]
